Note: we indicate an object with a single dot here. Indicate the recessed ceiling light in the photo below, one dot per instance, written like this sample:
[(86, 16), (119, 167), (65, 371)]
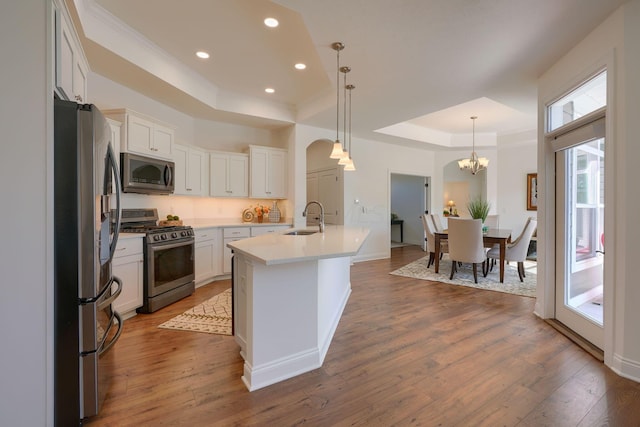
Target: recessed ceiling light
[(300, 66), (202, 54), (271, 22), (270, 90)]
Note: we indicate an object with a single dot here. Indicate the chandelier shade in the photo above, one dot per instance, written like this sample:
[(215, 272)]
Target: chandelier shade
[(474, 164)]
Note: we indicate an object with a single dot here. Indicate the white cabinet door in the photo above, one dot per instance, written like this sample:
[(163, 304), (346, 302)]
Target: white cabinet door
[(139, 137), (229, 174), (128, 266), (142, 134), (208, 262), (190, 170), (162, 142), (268, 172), (230, 235), (71, 66), (239, 175)]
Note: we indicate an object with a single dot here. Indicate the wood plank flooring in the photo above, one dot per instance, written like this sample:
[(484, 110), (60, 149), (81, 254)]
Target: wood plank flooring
[(406, 352)]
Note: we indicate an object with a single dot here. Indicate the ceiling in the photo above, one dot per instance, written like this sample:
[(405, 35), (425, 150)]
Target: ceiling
[(421, 67)]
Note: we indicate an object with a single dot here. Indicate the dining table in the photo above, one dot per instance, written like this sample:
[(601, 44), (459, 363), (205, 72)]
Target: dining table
[(492, 236)]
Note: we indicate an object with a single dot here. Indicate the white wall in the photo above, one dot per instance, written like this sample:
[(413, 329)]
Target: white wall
[(516, 161), (26, 315), (613, 44)]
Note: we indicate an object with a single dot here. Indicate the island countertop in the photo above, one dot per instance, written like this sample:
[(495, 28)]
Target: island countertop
[(280, 248)]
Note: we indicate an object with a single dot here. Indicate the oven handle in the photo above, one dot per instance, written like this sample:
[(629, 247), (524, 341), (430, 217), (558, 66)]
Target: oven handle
[(171, 245)]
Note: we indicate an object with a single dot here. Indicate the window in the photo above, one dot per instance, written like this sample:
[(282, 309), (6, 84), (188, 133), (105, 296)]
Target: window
[(587, 98)]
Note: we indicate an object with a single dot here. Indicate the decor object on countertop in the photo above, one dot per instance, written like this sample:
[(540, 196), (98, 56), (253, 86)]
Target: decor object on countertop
[(212, 316), (394, 216), (247, 215), (261, 211), (474, 164), (274, 214), (172, 220), (451, 204), (479, 209)]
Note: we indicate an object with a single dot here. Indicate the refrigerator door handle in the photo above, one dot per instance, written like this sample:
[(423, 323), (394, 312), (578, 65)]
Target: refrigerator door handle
[(113, 296), (110, 344), (116, 174)]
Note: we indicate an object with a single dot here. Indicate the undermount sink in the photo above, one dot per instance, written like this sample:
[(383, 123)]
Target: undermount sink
[(300, 233)]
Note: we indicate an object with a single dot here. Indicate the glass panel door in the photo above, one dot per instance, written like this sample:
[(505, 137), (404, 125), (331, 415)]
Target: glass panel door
[(580, 238)]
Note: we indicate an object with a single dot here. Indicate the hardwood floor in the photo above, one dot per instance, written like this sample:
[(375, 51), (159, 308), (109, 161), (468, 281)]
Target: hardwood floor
[(406, 352)]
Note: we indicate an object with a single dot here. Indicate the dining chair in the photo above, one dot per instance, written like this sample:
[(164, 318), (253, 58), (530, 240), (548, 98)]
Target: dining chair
[(466, 245), (517, 250), (436, 221), (431, 240), (492, 221)]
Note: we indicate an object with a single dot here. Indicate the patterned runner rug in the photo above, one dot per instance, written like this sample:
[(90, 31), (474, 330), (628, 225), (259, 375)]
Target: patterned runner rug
[(212, 316), (464, 276)]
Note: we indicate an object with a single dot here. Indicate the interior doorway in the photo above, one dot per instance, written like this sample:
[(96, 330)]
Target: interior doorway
[(409, 199)]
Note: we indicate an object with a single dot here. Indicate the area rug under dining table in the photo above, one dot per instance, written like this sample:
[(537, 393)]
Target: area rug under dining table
[(464, 276)]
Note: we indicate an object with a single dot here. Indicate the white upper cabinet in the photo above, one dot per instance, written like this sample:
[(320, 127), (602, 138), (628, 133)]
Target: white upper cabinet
[(191, 170), (268, 172), (144, 135), (71, 66), (229, 174)]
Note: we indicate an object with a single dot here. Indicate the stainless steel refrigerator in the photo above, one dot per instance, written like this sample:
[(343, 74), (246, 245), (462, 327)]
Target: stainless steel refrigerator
[(86, 195)]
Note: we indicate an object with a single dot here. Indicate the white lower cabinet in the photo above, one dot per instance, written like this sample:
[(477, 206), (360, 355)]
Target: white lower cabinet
[(231, 234), (128, 266), (207, 257)]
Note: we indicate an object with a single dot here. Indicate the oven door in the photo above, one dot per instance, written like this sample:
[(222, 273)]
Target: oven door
[(169, 265)]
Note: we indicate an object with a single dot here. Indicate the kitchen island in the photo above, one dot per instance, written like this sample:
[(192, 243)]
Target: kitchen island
[(289, 294)]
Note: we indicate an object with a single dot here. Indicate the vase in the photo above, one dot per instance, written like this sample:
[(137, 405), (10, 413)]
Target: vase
[(274, 213), (260, 218)]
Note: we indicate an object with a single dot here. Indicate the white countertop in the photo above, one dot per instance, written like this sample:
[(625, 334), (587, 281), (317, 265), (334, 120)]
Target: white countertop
[(232, 222), (278, 248)]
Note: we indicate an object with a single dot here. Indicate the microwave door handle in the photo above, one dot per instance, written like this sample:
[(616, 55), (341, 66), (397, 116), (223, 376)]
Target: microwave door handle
[(167, 175)]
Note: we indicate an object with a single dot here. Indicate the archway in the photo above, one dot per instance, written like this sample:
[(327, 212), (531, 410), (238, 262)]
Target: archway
[(460, 186)]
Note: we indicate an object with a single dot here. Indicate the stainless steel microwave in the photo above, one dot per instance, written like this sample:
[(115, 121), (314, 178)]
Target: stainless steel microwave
[(146, 175)]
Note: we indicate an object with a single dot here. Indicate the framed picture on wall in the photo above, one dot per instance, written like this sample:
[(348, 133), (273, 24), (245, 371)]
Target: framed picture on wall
[(532, 191)]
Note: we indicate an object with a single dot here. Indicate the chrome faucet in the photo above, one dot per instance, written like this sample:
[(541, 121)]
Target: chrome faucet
[(321, 218)]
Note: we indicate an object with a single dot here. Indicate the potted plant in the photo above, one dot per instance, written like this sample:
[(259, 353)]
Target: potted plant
[(479, 209)]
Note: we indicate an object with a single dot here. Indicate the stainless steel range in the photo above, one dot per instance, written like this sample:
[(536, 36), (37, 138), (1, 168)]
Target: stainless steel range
[(169, 269)]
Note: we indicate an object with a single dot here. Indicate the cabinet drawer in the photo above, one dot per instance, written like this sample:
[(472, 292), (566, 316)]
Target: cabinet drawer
[(259, 231), (237, 232), (130, 246), (204, 234)]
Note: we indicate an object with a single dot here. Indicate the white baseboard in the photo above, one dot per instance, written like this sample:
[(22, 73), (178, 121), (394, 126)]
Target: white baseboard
[(626, 368), (257, 377)]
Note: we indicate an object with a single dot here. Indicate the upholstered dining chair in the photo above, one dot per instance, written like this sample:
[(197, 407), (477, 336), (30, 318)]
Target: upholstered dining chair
[(465, 245), (436, 221), (431, 240), (517, 250)]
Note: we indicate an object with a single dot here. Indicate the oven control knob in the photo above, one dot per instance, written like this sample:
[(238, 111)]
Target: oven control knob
[(156, 238), (174, 235), (163, 237), (183, 233), (190, 232)]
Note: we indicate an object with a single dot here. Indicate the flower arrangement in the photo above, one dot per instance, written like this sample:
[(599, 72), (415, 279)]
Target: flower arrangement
[(261, 210)]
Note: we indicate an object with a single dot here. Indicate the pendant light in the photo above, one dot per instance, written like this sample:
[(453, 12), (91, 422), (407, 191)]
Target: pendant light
[(336, 152), (474, 164), (344, 159), (350, 166)]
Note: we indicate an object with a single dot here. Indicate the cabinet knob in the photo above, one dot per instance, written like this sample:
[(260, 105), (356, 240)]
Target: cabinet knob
[(78, 98)]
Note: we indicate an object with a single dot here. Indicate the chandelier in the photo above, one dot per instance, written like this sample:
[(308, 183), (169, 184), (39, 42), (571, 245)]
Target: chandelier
[(340, 151), (474, 164)]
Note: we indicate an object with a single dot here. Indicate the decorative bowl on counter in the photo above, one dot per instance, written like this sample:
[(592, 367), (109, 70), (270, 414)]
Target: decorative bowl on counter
[(172, 223)]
